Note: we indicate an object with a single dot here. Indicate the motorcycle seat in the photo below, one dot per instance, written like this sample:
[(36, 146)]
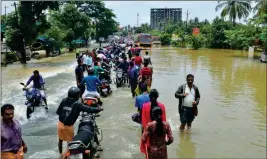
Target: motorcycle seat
[(90, 96), (85, 135)]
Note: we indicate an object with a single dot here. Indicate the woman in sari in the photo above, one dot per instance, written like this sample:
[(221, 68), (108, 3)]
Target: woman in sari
[(147, 115), (160, 135)]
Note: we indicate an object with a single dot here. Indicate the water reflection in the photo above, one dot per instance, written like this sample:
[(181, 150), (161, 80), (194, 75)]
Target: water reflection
[(186, 148)]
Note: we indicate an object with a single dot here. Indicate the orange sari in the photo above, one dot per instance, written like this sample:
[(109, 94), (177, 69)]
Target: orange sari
[(146, 119)]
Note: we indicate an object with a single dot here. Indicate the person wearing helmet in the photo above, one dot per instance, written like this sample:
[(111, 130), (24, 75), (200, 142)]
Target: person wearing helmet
[(147, 114), (38, 83), (68, 112), (91, 81)]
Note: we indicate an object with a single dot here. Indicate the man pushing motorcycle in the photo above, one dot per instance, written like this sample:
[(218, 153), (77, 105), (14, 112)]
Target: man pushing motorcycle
[(68, 112), (38, 83)]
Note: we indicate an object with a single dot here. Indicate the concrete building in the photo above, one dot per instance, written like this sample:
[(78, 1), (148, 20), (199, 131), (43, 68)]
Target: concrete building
[(162, 15)]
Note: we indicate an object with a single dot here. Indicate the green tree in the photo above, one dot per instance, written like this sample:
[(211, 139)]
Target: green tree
[(72, 22), (234, 9), (103, 17), (165, 39), (197, 41), (260, 8), (144, 28), (218, 36), (26, 23)]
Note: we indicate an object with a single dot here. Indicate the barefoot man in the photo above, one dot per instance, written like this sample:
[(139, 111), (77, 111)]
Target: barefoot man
[(189, 96)]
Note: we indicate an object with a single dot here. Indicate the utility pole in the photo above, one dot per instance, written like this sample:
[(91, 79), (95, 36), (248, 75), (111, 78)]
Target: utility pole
[(187, 13), (137, 19), (5, 13)]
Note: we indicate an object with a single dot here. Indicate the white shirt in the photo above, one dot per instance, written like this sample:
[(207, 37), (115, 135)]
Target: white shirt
[(146, 57), (84, 58), (190, 98)]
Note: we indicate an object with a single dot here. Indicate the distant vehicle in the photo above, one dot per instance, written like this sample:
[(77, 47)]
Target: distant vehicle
[(144, 41), (263, 57), (102, 39), (129, 42)]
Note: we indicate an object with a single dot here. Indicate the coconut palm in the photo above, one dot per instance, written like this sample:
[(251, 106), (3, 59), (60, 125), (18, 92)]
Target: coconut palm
[(260, 8), (234, 9)]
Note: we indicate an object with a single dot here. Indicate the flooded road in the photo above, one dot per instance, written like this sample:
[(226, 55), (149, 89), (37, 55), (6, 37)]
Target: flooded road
[(232, 111)]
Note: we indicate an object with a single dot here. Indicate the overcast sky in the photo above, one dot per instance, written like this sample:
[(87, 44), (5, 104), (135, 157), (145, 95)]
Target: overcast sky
[(126, 11)]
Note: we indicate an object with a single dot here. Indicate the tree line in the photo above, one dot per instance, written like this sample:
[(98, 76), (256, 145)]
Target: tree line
[(219, 33), (62, 21)]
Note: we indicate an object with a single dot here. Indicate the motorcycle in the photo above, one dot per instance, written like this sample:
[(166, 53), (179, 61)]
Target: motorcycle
[(120, 78), (86, 141), (91, 101), (104, 89), (34, 99)]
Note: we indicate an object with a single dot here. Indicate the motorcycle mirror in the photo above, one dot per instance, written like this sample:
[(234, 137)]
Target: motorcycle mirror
[(22, 83)]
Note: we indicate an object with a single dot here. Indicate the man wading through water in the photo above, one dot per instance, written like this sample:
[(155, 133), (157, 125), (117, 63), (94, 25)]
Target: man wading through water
[(189, 96), (133, 78), (12, 144), (68, 112)]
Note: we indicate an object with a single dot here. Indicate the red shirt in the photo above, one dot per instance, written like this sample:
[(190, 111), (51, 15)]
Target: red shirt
[(138, 60), (93, 57), (145, 71), (132, 50), (137, 49)]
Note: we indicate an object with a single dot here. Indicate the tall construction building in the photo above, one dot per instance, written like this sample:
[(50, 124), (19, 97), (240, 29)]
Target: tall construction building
[(162, 15)]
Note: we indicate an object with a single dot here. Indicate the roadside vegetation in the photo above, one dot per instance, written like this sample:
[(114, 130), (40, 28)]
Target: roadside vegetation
[(62, 22), (219, 33)]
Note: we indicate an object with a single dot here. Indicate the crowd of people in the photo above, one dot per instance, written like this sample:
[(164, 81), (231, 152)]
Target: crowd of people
[(151, 114)]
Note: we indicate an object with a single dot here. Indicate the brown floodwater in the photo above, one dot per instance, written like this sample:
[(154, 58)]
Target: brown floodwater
[(232, 110)]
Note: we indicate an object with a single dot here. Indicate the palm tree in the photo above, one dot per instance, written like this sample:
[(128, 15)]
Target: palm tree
[(234, 9), (261, 7)]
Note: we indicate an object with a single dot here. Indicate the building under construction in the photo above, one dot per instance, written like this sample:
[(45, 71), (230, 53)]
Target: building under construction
[(162, 15)]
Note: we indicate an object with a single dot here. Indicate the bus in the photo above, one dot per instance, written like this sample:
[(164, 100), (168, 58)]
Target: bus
[(144, 41)]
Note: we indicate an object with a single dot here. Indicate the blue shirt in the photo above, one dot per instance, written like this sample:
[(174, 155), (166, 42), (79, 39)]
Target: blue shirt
[(134, 74), (91, 82), (141, 99), (89, 61), (37, 81)]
